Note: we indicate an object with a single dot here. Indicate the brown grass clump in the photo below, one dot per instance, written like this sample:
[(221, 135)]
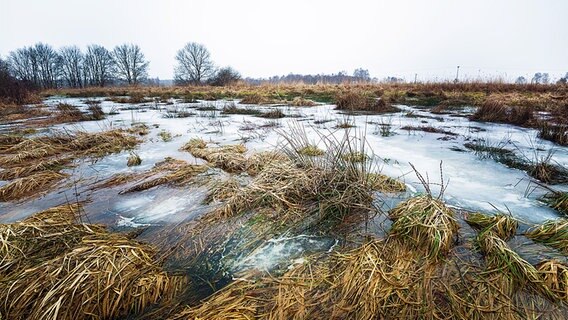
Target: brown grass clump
[(496, 111), (504, 226), (33, 164), (555, 276), (311, 150), (383, 183), (355, 157), (29, 185), (425, 222), (302, 102), (33, 167), (516, 271), (237, 301), (361, 101), (558, 201), (134, 160), (45, 234), (260, 160), (553, 233), (57, 268), (557, 133), (229, 158)]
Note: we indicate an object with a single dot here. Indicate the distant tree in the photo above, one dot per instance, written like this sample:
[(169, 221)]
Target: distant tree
[(131, 65), (225, 76), (194, 64), (98, 66), (563, 80), (362, 74), (521, 80), (39, 64), (24, 65), (72, 66), (545, 78), (49, 63), (537, 78)]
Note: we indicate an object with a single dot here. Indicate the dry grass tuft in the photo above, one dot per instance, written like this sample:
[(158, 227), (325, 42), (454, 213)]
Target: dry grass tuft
[(311, 150), (553, 233), (496, 111), (57, 268), (362, 101), (302, 102), (558, 201), (516, 271), (28, 186), (382, 183), (555, 276), (134, 160), (503, 225), (425, 222), (229, 158)]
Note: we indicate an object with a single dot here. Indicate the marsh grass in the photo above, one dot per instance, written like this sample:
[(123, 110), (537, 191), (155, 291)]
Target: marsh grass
[(233, 109), (558, 201), (553, 233), (555, 277), (133, 160), (503, 225), (385, 184), (497, 111), (311, 150), (33, 164), (32, 185), (55, 267), (425, 222), (166, 136), (557, 133)]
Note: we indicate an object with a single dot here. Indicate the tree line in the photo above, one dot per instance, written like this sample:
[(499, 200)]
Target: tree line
[(42, 66)]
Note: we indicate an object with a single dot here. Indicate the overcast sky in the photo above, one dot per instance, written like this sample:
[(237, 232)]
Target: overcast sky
[(264, 38)]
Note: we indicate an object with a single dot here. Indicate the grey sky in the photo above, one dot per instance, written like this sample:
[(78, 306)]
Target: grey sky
[(264, 38)]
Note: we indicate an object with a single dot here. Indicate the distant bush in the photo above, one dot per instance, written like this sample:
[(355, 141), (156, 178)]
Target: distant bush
[(11, 89), (224, 77)]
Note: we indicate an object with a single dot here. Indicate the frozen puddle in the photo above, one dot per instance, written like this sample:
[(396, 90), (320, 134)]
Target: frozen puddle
[(283, 252), (158, 207)]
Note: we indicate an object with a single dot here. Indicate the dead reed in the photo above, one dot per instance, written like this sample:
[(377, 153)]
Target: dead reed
[(553, 233), (425, 222), (503, 225), (54, 267)]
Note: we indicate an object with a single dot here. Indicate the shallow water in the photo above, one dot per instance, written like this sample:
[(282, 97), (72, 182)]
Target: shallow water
[(472, 183)]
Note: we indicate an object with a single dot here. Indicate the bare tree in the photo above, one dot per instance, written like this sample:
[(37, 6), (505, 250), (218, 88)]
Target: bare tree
[(131, 65), (194, 64), (39, 65), (24, 65), (49, 63), (362, 74), (72, 66), (98, 66)]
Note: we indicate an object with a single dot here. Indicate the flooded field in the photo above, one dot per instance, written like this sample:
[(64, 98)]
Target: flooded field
[(210, 184), (394, 141)]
